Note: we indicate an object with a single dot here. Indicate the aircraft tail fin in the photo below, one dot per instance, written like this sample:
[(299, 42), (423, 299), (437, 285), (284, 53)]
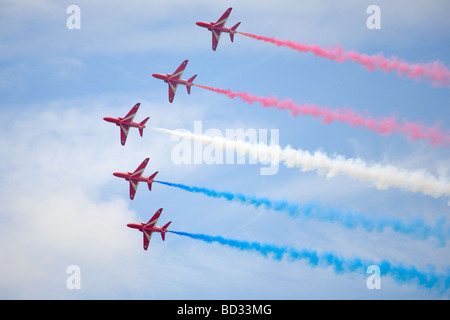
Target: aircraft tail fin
[(150, 180), (164, 229), (233, 29), (142, 126), (192, 78), (188, 87)]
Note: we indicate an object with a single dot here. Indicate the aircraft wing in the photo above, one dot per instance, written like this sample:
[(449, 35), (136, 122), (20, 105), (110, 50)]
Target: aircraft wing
[(150, 224), (147, 236), (179, 72), (138, 172), (130, 115), (153, 220), (172, 90), (223, 19), (215, 38), (136, 175), (124, 129), (133, 187)]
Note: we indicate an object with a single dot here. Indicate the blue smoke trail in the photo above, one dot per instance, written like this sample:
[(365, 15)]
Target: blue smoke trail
[(401, 274), (416, 229)]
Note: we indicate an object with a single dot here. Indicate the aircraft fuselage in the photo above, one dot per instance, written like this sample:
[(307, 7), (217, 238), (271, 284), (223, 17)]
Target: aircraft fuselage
[(210, 27), (119, 120), (141, 226), (127, 176), (167, 77)]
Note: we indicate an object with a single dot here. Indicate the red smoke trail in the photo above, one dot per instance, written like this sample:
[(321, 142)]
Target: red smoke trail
[(385, 125), (435, 71)]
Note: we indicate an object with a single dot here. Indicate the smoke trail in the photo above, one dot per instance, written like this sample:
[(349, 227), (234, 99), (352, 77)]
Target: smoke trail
[(386, 126), (431, 279), (382, 177), (435, 71), (416, 229)]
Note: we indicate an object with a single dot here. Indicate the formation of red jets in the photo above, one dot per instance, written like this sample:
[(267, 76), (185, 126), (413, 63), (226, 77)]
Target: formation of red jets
[(125, 123)]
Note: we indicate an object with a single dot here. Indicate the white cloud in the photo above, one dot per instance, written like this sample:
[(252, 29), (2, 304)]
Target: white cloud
[(56, 159)]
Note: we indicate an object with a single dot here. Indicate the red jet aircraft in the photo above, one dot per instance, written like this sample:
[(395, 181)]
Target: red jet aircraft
[(218, 27), (127, 122), (136, 177), (148, 228), (175, 79)]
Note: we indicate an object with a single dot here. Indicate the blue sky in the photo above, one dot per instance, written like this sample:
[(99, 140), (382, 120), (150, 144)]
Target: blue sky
[(60, 204)]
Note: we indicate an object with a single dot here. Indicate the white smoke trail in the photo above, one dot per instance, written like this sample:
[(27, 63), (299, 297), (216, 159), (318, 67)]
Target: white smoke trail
[(382, 176)]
